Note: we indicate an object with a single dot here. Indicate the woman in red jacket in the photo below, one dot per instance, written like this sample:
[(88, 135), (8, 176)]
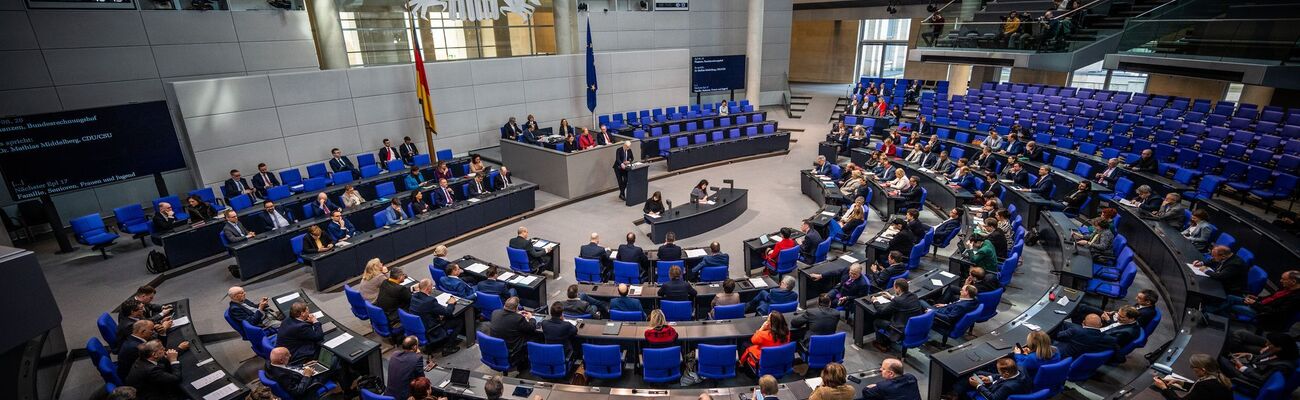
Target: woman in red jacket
[(889, 148), (774, 332), (585, 140), (785, 243)]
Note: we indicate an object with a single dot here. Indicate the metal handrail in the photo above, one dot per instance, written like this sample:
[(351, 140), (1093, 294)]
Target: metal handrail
[(945, 7), (1070, 13)]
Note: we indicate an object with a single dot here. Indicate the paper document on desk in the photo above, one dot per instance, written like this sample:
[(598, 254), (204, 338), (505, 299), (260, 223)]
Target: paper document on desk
[(634, 291), (1197, 271), (341, 243), (477, 268), (540, 243), (1006, 181), (1128, 202), (774, 237), (849, 258), (318, 314), (823, 177), (221, 393), (506, 276), (1063, 300), (287, 298), (947, 274), (474, 200), (443, 298), (527, 280), (828, 213), (179, 322), (813, 382), (693, 253), (408, 281), (613, 255), (880, 300), (1033, 327), (549, 246), (652, 215), (709, 202), (758, 282), (936, 282), (338, 340), (208, 379), (204, 362)]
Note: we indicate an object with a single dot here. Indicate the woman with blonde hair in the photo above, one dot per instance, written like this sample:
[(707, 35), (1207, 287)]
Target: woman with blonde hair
[(351, 197), (852, 219), (1210, 382), (374, 275), (834, 384), (660, 334), (1038, 350), (900, 181), (439, 258), (855, 182)]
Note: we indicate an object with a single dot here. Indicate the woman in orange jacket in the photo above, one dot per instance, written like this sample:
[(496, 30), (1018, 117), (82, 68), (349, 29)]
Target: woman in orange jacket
[(774, 332)]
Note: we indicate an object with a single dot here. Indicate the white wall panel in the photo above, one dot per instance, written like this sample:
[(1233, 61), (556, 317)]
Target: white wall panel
[(206, 97), (310, 87), (271, 25), (198, 59), (215, 165), (100, 64), (315, 147), (373, 135), (451, 100), (110, 93), (67, 29), (447, 74), (224, 130), (263, 56), (370, 81), (389, 107), (170, 27), (498, 94), (497, 70), (316, 117)]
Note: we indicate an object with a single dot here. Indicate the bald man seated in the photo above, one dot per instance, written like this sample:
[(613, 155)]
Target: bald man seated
[(258, 314), (537, 258), (1076, 340), (895, 385), (301, 383)]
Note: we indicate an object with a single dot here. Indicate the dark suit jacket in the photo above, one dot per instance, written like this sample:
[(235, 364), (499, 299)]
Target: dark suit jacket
[(476, 188), (309, 245), (493, 286), (1124, 334), (152, 381), (512, 327), (342, 164), (383, 154), (1231, 272), (1145, 164), (559, 332), (621, 156), (952, 313), (440, 197), (902, 241), (669, 252), (677, 290), (879, 280), (127, 354), (266, 218), (402, 368), (817, 320), (301, 338), (407, 151), (902, 387), (946, 228), (230, 190), (900, 309), (1077, 340), (1044, 187), (338, 232), (503, 181), (291, 381), (809, 245), (261, 184), (392, 296), (427, 308), (918, 228), (1017, 178), (1151, 204), (250, 313), (592, 251), (631, 253), (325, 210), (1001, 389), (233, 235), (510, 130), (162, 224), (456, 287), (1036, 154), (534, 254)]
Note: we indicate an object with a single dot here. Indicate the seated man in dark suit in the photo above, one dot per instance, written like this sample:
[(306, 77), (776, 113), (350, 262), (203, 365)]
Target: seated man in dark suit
[(393, 296), (454, 285), (1076, 340), (594, 251), (301, 334), (156, 375), (301, 383), (849, 284), (273, 218), (237, 185), (947, 315), (555, 330), (984, 281), (1043, 186), (1226, 267), (341, 163), (894, 384), (340, 228), (575, 305), (912, 194), (504, 179), (670, 251), (264, 179), (539, 258), (443, 195), (1145, 199), (141, 332), (818, 320), (914, 224), (164, 220), (511, 130), (437, 318), (892, 318), (478, 187), (234, 230), (1009, 381), (676, 288), (950, 225), (629, 252), (895, 265), (1146, 162), (1125, 328), (408, 151), (784, 293), (715, 258), (492, 285), (404, 366), (902, 242), (1171, 211), (1016, 174), (514, 326), (242, 309), (808, 247)]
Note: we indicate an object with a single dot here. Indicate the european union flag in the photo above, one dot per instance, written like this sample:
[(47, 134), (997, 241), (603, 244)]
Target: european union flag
[(591, 71)]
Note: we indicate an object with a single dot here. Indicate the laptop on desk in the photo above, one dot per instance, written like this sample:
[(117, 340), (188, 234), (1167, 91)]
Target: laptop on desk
[(459, 380)]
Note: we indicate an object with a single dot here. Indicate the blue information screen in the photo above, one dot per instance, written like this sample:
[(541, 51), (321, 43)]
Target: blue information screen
[(717, 73)]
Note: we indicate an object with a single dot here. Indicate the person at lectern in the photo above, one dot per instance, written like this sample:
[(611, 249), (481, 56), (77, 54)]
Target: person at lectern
[(623, 160), (700, 194)]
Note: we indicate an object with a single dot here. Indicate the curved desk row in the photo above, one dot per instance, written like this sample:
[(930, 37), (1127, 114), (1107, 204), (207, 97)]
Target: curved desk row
[(756, 248), (531, 288), (937, 189), (395, 241), (358, 353), (691, 219), (726, 149), (202, 376), (1276, 250), (797, 389), (821, 189), (648, 293)]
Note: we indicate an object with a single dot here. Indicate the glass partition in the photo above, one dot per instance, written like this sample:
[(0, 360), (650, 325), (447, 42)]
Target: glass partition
[(380, 33)]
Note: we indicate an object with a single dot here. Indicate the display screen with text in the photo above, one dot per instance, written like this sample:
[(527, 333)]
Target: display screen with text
[(717, 73)]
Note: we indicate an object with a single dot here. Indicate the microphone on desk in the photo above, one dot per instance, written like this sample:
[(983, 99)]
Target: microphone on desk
[(731, 184), (670, 204)]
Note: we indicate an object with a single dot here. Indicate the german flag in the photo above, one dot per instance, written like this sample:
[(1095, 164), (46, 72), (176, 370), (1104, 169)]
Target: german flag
[(422, 85)]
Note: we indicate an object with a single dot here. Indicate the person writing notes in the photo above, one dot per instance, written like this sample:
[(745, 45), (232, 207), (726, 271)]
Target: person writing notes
[(700, 194)]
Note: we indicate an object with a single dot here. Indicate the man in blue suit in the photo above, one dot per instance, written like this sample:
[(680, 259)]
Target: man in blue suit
[(1009, 381), (822, 167), (301, 334), (1014, 145), (492, 285), (896, 384), (237, 185), (784, 293), (949, 314), (273, 218), (1016, 174), (1043, 187), (896, 265), (341, 163), (950, 225), (443, 196), (340, 228), (1125, 328), (620, 303), (630, 252), (454, 285), (242, 309), (394, 212), (851, 284), (1076, 340), (594, 251), (437, 319), (808, 246), (715, 258)]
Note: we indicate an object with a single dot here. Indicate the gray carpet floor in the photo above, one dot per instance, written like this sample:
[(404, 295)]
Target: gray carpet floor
[(86, 286)]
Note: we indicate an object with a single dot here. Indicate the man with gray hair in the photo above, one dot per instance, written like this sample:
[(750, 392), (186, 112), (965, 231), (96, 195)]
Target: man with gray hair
[(1144, 199), (538, 258), (301, 383), (1109, 175), (142, 331), (1170, 210), (256, 314), (156, 374), (822, 167), (437, 318), (783, 294), (896, 385)]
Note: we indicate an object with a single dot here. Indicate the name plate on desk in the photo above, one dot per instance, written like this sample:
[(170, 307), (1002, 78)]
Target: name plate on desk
[(208, 379), (287, 298), (338, 340), (477, 268)]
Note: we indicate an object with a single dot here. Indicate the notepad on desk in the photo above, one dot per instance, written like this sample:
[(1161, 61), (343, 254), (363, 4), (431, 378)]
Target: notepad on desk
[(758, 282), (208, 379), (341, 243), (549, 246), (947, 274), (179, 322), (634, 290), (443, 299), (477, 268), (474, 200), (828, 213), (318, 314), (221, 393), (338, 340), (880, 300), (936, 282), (505, 276), (849, 258), (693, 253), (1196, 271)]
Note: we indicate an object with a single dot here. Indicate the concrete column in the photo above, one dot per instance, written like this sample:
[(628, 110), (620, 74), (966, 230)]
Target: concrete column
[(1257, 95), (754, 52), (331, 51), (566, 27), (958, 78), (980, 74)]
